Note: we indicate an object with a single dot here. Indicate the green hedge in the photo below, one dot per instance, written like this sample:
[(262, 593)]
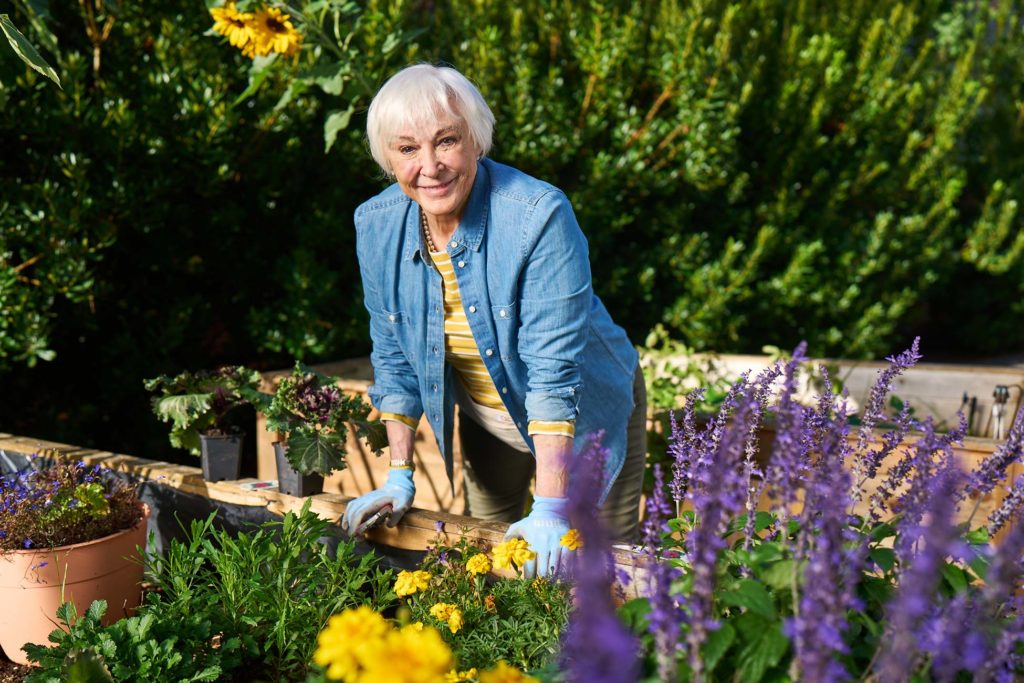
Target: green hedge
[(749, 173)]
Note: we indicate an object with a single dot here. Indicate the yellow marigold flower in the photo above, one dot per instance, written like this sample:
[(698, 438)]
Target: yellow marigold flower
[(503, 673), (340, 645), (514, 551), (572, 540), (478, 564), (455, 620), (460, 676), (407, 656), (409, 583), (273, 32), (234, 25), (445, 611)]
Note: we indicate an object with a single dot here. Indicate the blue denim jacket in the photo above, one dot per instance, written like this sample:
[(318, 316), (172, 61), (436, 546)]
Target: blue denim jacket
[(524, 275)]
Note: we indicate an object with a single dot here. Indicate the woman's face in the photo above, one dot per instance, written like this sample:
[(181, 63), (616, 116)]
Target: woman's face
[(436, 167)]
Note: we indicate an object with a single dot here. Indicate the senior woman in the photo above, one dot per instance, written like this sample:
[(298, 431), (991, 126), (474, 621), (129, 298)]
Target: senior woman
[(477, 280)]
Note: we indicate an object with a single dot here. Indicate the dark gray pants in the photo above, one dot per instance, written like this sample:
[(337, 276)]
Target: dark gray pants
[(497, 477)]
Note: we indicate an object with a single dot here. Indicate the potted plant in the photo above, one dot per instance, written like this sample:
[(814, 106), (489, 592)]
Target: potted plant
[(198, 404), (312, 413), (68, 533)]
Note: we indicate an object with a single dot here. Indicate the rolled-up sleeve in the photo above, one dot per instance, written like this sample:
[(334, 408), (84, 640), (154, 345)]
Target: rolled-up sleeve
[(395, 388), (555, 297)]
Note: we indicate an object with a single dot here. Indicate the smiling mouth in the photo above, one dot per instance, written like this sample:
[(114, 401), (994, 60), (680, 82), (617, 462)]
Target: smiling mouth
[(442, 186)]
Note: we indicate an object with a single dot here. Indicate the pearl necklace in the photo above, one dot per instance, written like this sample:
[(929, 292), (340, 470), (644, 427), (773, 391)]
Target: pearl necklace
[(426, 232)]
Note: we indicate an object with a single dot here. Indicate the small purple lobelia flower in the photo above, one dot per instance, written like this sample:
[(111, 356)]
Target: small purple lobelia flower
[(666, 616), (597, 647)]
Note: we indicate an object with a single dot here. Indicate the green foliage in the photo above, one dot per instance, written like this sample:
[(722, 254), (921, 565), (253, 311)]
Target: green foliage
[(745, 173), (25, 50), (314, 413), (516, 620), (139, 648), (268, 592), (197, 403)]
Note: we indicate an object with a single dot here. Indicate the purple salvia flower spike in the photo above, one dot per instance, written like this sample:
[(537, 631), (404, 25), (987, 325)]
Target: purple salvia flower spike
[(992, 470), (666, 617), (593, 620), (874, 410), (920, 575)]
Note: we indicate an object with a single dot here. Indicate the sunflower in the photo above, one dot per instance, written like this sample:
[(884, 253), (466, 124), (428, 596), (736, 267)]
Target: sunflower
[(234, 25), (273, 32)]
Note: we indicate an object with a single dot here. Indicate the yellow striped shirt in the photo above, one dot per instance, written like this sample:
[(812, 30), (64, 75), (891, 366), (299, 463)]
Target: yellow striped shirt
[(461, 351)]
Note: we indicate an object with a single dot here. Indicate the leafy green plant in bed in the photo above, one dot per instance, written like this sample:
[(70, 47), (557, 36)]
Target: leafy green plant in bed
[(226, 603)]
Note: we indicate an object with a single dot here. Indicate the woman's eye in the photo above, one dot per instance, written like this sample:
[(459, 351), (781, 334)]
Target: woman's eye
[(448, 141), (406, 149)]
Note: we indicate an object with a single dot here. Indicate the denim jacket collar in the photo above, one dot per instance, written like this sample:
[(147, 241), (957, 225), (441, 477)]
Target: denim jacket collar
[(470, 233)]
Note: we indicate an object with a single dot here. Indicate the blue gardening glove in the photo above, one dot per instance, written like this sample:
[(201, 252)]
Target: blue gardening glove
[(398, 492), (543, 529)]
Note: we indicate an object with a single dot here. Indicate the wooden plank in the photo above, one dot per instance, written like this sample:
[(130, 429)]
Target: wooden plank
[(418, 529)]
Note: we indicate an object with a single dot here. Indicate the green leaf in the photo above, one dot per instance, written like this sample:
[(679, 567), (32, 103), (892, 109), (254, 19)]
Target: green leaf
[(95, 612), (885, 558), (955, 577), (979, 536), (313, 454), (335, 123), (779, 575), (717, 644), (261, 69), (762, 653), (26, 51), (85, 666), (752, 596), (882, 531)]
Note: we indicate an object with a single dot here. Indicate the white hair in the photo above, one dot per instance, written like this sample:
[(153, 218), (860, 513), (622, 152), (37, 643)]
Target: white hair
[(416, 97)]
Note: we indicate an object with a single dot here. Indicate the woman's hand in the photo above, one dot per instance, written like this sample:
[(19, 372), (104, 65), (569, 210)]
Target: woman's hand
[(543, 529), (398, 491)]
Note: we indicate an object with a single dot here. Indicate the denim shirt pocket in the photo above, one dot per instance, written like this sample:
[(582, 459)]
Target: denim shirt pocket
[(505, 326), (399, 330)]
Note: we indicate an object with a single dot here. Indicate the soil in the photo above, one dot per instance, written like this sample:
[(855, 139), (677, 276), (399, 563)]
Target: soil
[(11, 672)]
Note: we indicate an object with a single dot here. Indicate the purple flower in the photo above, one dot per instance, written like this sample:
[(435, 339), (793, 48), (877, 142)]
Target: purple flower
[(922, 562), (1009, 509), (870, 460), (790, 455), (27, 543), (992, 470), (832, 562), (666, 615), (597, 647)]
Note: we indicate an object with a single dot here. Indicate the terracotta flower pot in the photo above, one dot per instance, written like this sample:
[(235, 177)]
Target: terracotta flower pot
[(34, 583)]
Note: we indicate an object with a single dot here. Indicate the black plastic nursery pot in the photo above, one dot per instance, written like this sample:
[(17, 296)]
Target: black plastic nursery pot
[(290, 480), (221, 457)]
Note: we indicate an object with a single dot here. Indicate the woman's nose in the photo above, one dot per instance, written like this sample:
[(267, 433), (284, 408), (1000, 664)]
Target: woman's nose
[(431, 163)]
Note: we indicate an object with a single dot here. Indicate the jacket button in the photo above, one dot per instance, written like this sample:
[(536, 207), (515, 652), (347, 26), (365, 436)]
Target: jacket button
[(503, 313), (453, 244), (489, 352), (391, 318), (472, 309), (462, 264), (504, 390)]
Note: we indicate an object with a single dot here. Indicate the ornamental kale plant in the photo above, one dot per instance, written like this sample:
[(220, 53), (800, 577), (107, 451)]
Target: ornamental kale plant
[(310, 409), (200, 402), (56, 502), (484, 619), (848, 556)]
